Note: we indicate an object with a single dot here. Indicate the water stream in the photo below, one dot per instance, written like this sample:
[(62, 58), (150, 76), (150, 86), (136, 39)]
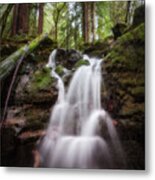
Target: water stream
[(80, 133)]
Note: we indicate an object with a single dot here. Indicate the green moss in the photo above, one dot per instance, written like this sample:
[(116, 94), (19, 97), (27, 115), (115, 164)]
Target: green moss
[(138, 91), (131, 109), (60, 70), (41, 80), (137, 33), (129, 50), (139, 15), (81, 62)]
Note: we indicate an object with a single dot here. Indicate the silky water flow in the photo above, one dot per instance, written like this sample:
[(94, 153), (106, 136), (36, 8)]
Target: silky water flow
[(80, 133)]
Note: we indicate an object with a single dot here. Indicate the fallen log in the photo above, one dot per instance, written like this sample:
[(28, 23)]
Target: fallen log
[(7, 65)]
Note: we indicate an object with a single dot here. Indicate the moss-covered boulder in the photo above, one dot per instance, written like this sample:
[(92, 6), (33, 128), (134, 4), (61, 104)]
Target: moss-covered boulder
[(39, 88), (125, 66), (119, 29), (98, 49), (33, 94), (59, 70), (139, 15), (123, 94)]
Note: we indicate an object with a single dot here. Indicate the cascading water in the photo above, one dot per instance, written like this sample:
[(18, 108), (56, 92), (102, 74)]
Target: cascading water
[(80, 133)]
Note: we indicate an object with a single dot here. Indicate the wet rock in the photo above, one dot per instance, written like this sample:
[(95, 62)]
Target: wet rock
[(73, 55), (38, 89), (139, 15), (119, 29), (81, 62), (99, 49), (67, 58), (60, 70), (123, 92)]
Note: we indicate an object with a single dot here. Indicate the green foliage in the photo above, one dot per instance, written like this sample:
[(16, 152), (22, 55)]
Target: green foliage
[(104, 20), (64, 20), (41, 80), (138, 91), (60, 70), (81, 62), (131, 40)]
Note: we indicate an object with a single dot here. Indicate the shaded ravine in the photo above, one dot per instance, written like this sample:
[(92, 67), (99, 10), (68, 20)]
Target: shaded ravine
[(74, 138)]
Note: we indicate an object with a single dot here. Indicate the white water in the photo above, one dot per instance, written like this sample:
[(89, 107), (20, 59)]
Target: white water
[(80, 133)]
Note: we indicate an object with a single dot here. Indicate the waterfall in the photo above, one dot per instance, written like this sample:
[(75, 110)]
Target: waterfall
[(80, 133)]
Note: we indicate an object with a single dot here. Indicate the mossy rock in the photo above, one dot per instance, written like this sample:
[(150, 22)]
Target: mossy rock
[(130, 109), (41, 80), (59, 70), (119, 29), (138, 93), (99, 48), (81, 62), (128, 52), (139, 15)]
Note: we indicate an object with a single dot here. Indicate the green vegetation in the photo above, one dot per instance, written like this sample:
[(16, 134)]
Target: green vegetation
[(81, 62), (60, 70), (41, 80)]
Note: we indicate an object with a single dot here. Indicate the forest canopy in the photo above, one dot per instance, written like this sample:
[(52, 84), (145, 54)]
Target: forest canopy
[(70, 24)]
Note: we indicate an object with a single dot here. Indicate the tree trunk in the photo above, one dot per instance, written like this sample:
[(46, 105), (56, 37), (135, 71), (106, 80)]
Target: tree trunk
[(56, 32), (86, 21), (4, 17), (9, 63), (93, 21), (20, 19), (41, 18), (34, 29), (67, 28), (83, 22), (127, 11), (88, 16), (76, 26)]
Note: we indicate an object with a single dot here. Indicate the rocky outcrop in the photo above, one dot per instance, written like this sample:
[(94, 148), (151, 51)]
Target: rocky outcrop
[(124, 90), (139, 15), (34, 94), (119, 30), (67, 58), (29, 108)]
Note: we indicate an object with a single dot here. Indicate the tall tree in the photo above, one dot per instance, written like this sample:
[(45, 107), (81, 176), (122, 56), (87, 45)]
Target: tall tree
[(93, 21), (67, 27), (41, 18), (58, 7), (3, 20), (20, 19), (127, 11), (76, 25), (33, 29), (85, 7)]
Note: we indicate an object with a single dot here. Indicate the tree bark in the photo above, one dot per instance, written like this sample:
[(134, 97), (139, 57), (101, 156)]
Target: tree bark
[(76, 26), (93, 21), (67, 28), (41, 18), (86, 21), (127, 11), (4, 17), (9, 63), (83, 21), (20, 19), (56, 19)]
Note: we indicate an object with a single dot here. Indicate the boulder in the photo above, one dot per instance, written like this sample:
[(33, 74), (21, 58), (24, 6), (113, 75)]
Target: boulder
[(123, 92), (139, 15), (119, 29)]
